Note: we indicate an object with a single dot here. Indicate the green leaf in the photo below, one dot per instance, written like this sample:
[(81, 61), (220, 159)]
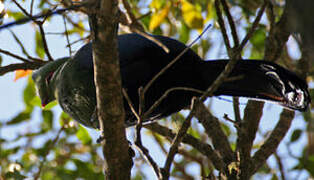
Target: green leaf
[(51, 105), (29, 93), (16, 175), (25, 115), (274, 177), (16, 15), (64, 119), (225, 129), (83, 135), (39, 45), (258, 42), (194, 133), (177, 118), (296, 135), (1, 60), (310, 165), (184, 33), (8, 152), (48, 119), (44, 149)]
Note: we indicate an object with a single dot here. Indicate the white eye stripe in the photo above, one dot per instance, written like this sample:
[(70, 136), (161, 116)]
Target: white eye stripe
[(291, 85), (294, 95), (276, 77), (268, 67)]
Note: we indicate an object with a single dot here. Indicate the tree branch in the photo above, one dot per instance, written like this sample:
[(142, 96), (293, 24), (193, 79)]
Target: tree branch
[(247, 131), (203, 148), (271, 144), (26, 65), (214, 131), (104, 25)]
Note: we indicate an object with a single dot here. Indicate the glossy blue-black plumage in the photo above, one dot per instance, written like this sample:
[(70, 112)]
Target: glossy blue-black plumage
[(141, 59)]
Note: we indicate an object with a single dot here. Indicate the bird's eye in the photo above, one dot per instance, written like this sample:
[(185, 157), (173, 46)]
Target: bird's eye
[(48, 78)]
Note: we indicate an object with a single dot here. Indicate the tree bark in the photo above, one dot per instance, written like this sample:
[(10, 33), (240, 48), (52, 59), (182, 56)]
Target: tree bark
[(104, 26)]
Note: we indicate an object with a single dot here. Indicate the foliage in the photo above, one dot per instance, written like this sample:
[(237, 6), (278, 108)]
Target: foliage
[(65, 150)]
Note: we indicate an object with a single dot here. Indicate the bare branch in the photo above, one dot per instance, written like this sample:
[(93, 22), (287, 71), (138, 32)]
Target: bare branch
[(236, 110), (203, 148), (280, 165), (214, 131), (13, 67), (177, 140), (147, 86), (131, 22), (247, 132), (222, 25), (43, 36), (231, 23), (67, 36), (271, 144), (254, 26), (157, 103), (14, 55), (44, 15), (278, 36)]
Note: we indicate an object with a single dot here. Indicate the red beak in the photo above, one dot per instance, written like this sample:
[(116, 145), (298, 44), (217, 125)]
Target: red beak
[(44, 103)]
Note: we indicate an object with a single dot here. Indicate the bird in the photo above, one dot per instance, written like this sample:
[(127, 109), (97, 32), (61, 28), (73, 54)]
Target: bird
[(70, 80)]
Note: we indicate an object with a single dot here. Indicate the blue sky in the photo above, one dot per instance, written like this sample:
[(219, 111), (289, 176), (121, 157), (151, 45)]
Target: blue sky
[(11, 100)]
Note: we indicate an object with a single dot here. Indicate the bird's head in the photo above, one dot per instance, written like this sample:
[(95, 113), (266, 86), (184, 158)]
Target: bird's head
[(44, 78)]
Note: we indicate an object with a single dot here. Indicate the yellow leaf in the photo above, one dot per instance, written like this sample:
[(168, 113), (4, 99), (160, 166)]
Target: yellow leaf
[(157, 4), (21, 73), (210, 12), (192, 16), (159, 16)]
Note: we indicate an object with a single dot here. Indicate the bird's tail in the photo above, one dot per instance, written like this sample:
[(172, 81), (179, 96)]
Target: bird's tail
[(260, 80)]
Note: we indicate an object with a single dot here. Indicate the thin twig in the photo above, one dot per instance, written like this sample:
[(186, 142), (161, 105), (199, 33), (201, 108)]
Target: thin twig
[(14, 55), (131, 17), (157, 103), (19, 43), (31, 7), (47, 14), (126, 96), (67, 36), (41, 29), (280, 166), (150, 160), (22, 9), (134, 26), (234, 122), (236, 110), (138, 142), (87, 38), (203, 148), (231, 23), (222, 25), (147, 86), (43, 37), (254, 26), (176, 142)]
